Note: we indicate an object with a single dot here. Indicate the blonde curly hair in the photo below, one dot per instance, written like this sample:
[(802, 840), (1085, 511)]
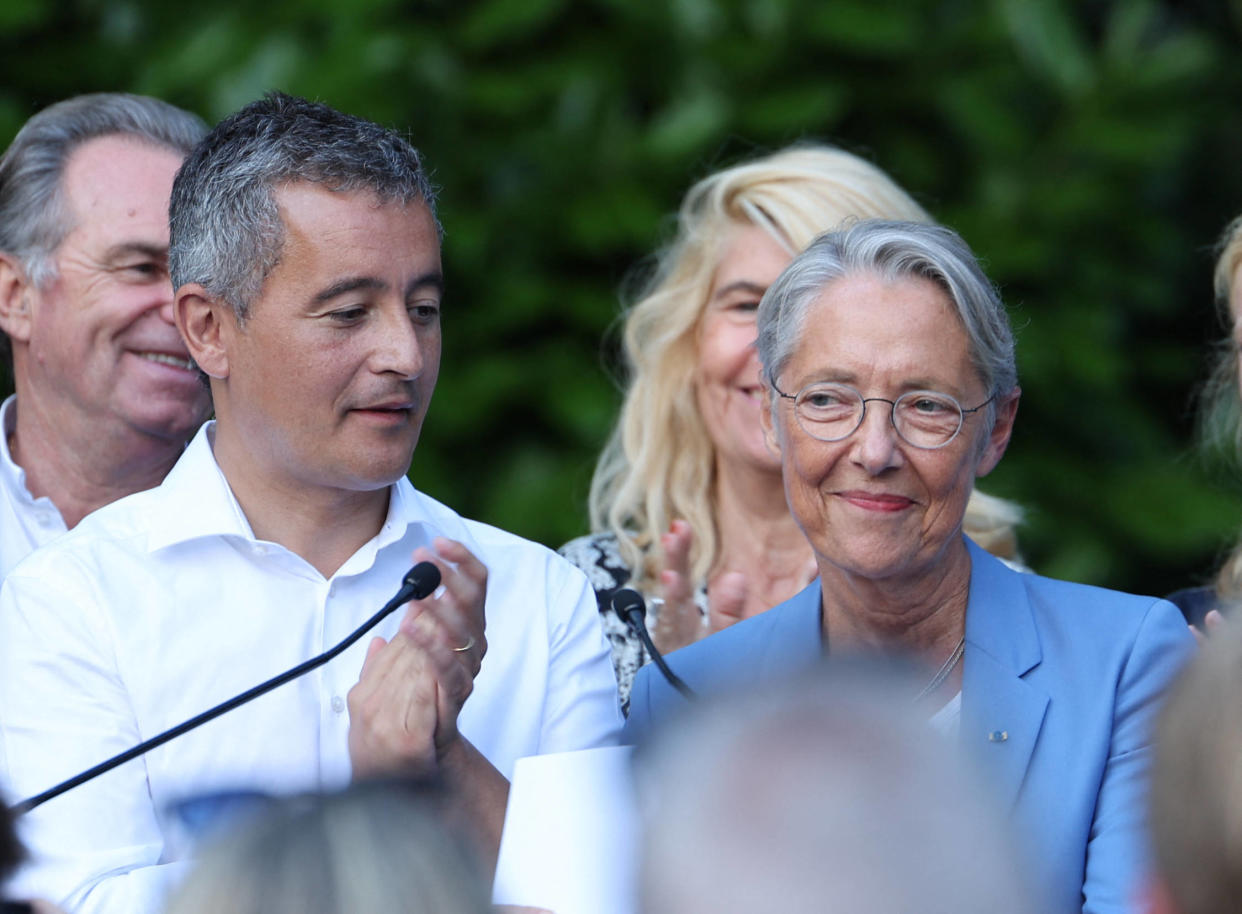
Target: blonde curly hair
[(658, 464)]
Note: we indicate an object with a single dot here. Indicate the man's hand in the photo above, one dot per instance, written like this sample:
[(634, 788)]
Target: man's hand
[(403, 710), (392, 711)]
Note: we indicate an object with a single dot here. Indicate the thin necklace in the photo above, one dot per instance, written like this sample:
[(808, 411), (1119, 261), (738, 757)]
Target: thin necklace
[(944, 671)]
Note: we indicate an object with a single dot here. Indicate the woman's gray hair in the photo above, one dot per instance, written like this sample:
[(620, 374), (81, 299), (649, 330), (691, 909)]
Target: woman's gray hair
[(33, 216), (892, 251), (227, 232)]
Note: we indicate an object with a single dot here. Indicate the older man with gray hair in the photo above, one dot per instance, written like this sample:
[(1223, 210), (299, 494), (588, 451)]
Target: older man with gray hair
[(306, 252), (106, 394)]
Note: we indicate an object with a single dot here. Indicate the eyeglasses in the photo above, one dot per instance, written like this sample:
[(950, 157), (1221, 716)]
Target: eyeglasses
[(923, 418)]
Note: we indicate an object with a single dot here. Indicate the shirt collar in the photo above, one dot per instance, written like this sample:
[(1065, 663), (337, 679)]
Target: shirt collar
[(14, 477), (196, 501)]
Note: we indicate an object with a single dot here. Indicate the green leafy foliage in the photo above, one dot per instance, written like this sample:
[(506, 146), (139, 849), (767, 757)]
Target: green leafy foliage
[(1088, 151)]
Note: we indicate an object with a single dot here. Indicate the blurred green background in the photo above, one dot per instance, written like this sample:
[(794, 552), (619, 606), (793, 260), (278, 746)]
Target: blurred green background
[(1090, 152)]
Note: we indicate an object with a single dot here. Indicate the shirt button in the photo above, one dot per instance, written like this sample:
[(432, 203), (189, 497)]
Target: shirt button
[(338, 704)]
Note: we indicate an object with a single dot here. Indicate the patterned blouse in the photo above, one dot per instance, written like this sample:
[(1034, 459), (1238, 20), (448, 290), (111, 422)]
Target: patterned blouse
[(600, 559)]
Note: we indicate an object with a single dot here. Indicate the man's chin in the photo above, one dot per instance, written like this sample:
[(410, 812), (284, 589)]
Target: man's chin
[(373, 474), (175, 429)]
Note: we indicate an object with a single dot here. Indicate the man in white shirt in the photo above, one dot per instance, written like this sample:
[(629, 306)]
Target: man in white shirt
[(106, 395), (307, 259)]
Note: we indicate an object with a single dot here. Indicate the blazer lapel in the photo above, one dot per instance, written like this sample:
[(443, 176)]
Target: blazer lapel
[(795, 640), (1001, 712)]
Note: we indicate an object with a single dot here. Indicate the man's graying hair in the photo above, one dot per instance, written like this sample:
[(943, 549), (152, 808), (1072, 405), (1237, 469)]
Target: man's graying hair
[(33, 216), (227, 232), (892, 251)]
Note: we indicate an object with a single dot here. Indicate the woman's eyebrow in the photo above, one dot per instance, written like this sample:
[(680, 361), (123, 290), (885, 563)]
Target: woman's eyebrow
[(740, 285)]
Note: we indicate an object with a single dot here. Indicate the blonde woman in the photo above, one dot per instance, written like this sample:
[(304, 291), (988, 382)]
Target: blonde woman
[(1221, 419), (687, 504)]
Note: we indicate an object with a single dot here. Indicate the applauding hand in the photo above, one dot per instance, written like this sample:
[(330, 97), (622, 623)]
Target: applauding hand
[(403, 710)]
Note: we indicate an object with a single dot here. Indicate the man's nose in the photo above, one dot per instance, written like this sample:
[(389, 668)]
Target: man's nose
[(399, 349)]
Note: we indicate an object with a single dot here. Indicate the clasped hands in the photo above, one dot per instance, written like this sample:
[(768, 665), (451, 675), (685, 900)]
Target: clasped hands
[(403, 709)]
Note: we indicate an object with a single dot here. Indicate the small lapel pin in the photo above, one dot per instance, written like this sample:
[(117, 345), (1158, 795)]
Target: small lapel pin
[(998, 736)]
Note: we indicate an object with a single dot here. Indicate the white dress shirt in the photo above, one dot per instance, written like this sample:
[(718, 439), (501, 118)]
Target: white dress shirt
[(163, 604), (26, 522)]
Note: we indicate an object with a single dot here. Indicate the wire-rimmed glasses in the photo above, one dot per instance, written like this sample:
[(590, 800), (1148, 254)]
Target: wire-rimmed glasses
[(925, 419)]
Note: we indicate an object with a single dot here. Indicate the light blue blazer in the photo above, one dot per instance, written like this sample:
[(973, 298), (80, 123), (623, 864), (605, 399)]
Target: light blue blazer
[(1060, 689)]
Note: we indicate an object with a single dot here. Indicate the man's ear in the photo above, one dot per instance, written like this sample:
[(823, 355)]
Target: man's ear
[(1002, 429), (206, 324), (16, 292), (768, 421)]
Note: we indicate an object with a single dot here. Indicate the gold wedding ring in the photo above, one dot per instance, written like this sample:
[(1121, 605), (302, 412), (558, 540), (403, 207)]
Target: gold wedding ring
[(469, 644)]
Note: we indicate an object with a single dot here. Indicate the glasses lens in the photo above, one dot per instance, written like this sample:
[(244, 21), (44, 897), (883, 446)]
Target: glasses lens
[(927, 419), (828, 412)]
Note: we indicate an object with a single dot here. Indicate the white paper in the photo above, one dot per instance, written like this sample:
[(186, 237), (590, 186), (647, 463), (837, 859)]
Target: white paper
[(570, 837)]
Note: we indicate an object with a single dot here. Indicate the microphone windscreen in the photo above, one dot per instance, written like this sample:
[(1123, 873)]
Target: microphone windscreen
[(629, 605), (422, 579)]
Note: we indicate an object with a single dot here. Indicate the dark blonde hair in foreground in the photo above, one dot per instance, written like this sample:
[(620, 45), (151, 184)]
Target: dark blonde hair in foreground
[(371, 849), (1196, 789), (1221, 415), (658, 464)]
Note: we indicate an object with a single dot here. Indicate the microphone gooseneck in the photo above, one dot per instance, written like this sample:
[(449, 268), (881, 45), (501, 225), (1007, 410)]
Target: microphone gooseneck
[(630, 606), (419, 582)]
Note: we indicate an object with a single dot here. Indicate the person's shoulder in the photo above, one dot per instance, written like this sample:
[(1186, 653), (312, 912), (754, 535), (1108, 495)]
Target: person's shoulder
[(751, 652), (1195, 602), (498, 549), (598, 555), (1088, 602), (446, 521), (117, 527), (1101, 607), (1106, 628), (772, 644), (593, 549)]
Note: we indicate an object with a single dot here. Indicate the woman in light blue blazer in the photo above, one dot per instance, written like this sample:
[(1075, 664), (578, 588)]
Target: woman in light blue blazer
[(891, 386)]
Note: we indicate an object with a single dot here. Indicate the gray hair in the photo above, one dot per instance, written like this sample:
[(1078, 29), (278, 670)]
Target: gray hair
[(227, 233), (372, 849), (892, 250), (33, 217), (827, 794)]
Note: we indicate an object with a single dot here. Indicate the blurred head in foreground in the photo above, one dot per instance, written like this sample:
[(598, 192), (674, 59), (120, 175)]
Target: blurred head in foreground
[(828, 795), (378, 848), (1196, 790)]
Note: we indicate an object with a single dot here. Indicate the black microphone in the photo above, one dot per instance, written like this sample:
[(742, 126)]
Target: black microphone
[(630, 606), (418, 583)]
